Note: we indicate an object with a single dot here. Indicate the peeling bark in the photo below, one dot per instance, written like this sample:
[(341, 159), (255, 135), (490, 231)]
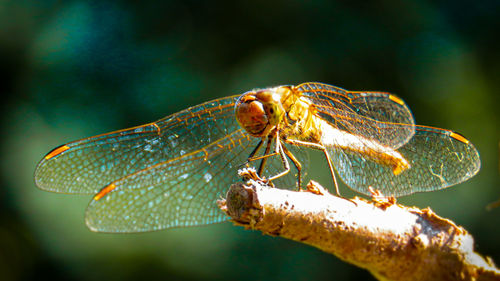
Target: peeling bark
[(392, 241)]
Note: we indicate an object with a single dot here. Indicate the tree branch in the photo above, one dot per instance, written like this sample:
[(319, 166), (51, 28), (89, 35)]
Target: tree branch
[(392, 241)]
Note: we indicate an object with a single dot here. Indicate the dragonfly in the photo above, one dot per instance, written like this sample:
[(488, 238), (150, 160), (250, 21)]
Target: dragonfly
[(170, 173)]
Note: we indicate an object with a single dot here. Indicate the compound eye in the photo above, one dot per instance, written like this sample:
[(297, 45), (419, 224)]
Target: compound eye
[(251, 115)]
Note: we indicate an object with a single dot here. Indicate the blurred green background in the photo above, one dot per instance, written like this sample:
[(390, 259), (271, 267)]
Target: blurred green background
[(71, 69)]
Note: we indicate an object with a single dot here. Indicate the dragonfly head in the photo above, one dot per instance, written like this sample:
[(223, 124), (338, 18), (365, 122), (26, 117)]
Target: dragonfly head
[(259, 112)]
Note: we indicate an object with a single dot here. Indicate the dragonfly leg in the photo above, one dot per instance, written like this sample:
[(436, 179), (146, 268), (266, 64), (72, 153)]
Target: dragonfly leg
[(264, 157), (264, 160), (322, 148), (279, 150), (255, 150), (252, 157), (297, 165)]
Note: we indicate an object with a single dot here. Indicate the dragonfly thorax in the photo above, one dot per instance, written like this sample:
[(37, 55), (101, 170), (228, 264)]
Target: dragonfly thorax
[(259, 112)]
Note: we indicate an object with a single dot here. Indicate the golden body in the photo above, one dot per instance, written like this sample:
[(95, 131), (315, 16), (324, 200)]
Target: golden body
[(284, 115)]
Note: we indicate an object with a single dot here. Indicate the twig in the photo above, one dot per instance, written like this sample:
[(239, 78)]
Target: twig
[(392, 241)]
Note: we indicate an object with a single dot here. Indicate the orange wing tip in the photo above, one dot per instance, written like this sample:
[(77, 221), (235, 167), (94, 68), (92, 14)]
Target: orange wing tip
[(459, 137), (104, 191), (396, 99), (56, 151)]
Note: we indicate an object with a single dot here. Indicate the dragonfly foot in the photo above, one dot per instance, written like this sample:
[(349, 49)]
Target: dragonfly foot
[(249, 173), (315, 187), (381, 200)]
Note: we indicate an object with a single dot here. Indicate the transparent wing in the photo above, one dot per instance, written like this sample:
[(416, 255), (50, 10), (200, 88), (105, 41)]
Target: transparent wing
[(179, 192), (438, 158), (362, 113), (168, 173), (86, 165)]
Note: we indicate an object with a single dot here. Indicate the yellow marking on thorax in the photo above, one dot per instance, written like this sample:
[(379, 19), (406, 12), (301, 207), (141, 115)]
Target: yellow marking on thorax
[(302, 114), (56, 151), (459, 137), (104, 191)]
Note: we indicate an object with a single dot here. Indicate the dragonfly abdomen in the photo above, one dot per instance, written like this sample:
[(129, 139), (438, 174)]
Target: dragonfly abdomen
[(371, 149)]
